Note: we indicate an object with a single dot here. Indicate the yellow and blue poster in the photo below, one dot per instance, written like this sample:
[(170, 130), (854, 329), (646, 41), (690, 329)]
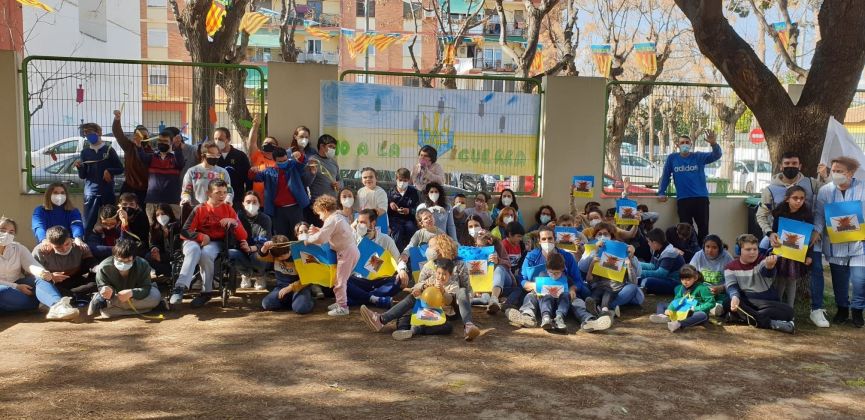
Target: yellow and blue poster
[(626, 212), (315, 264), (612, 261), (473, 131), (590, 246), (584, 186), (844, 222), (547, 286), (375, 262), (679, 308), (480, 267), (565, 237), (795, 236), (426, 315), (416, 260)]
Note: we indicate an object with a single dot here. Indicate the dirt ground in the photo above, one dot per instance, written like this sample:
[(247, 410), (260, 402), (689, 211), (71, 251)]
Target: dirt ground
[(240, 362)]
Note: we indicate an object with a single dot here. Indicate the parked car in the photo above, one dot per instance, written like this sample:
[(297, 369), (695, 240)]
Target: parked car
[(641, 170), (615, 188), (70, 146), (64, 171), (743, 175)]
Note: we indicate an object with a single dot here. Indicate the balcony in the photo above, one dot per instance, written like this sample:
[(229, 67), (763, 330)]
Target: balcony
[(325, 20), (493, 65), (513, 29), (320, 58)]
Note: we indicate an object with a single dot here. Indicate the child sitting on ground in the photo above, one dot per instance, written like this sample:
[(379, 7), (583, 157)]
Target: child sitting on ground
[(661, 276), (106, 233), (710, 262), (289, 292), (555, 266), (691, 305), (684, 238), (604, 290)]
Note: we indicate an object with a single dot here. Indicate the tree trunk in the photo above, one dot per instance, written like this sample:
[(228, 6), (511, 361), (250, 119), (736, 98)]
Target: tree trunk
[(204, 97), (232, 82), (641, 137)]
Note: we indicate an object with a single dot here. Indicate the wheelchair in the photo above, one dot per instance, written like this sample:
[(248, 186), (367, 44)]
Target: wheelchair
[(225, 275)]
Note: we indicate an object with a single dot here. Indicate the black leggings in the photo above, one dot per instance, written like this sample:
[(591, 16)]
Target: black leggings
[(695, 211), (763, 312)]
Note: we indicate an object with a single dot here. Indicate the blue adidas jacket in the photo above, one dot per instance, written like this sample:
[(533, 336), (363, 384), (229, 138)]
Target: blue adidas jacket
[(689, 173)]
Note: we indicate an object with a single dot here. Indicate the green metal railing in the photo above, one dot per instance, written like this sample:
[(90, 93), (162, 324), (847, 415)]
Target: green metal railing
[(60, 93), (526, 183)]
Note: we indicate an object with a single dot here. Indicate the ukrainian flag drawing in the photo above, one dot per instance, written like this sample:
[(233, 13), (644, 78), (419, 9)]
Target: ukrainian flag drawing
[(612, 261), (626, 212), (426, 315), (679, 308), (375, 262), (584, 186), (795, 237), (416, 260), (480, 268), (546, 285), (565, 237), (844, 222), (315, 264), (589, 247)]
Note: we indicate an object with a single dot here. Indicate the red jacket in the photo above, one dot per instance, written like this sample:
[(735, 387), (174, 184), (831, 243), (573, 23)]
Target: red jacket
[(205, 220)]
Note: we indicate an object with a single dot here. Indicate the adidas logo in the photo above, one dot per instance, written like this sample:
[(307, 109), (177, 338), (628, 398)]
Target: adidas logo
[(685, 168)]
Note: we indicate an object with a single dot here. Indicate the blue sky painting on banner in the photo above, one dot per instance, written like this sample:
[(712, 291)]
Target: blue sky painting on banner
[(474, 131)]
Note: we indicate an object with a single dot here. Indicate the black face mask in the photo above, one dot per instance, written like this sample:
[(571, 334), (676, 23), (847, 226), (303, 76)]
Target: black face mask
[(163, 147), (790, 172), (212, 161), (268, 148), (129, 210)]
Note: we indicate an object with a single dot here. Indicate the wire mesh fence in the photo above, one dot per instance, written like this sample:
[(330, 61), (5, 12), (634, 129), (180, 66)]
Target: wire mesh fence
[(485, 129), (61, 93)]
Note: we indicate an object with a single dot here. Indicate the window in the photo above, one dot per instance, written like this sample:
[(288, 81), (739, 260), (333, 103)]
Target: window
[(316, 8), (371, 50), (407, 10), (55, 168), (359, 5), (157, 75), (70, 146), (157, 38), (262, 55), (313, 46), (155, 3)]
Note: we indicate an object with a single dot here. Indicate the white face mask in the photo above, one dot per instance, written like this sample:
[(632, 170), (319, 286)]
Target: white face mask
[(473, 231), (122, 266), (545, 219), (252, 209), (431, 254), (163, 219), (347, 202), (547, 246), (63, 253), (220, 145), (330, 153), (302, 142), (434, 197), (401, 185), (508, 219), (839, 179), (594, 222), (507, 201), (602, 237), (302, 237), (460, 206), (58, 199), (362, 229)]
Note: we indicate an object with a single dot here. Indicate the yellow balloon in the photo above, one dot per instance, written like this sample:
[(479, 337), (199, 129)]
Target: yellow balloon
[(433, 297)]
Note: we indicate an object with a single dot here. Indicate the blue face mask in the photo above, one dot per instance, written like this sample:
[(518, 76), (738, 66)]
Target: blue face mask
[(282, 165), (93, 138), (685, 148)]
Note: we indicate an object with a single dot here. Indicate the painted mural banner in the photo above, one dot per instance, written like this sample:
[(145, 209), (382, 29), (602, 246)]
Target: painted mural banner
[(385, 126)]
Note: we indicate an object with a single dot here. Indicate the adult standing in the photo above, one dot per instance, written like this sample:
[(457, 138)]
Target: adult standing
[(136, 171), (97, 166), (427, 169), (323, 175), (284, 194), (261, 158), (236, 163), (163, 166), (300, 141), (771, 197), (688, 171), (846, 259)]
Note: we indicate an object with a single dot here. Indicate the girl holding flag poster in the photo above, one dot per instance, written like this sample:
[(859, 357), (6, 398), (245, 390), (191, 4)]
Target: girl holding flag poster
[(839, 211), (792, 222), (609, 268), (691, 305)]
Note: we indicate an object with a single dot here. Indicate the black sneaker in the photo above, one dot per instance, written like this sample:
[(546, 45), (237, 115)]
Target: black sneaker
[(177, 295), (592, 306), (784, 326), (200, 300), (842, 316), (858, 321), (96, 305)]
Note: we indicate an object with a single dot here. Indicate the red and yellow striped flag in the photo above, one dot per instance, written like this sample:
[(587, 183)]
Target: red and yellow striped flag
[(358, 45), (37, 4), (318, 33), (449, 53), (252, 22), (214, 17), (538, 63), (381, 42)]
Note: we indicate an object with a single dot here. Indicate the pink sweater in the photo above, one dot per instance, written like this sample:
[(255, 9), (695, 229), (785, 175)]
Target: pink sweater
[(337, 232)]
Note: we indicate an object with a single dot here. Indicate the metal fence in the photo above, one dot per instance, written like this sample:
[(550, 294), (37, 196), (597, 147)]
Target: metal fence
[(493, 138), (61, 93)]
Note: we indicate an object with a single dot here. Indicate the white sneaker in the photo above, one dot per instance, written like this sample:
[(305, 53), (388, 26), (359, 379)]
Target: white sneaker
[(245, 282), (818, 317), (339, 311), (659, 319), (618, 312), (718, 310), (62, 311), (261, 284), (332, 306)]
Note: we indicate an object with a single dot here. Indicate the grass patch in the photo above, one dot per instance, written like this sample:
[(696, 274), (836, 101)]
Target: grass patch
[(855, 383)]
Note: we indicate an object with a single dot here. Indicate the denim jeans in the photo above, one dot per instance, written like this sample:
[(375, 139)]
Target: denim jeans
[(13, 300), (842, 277), (659, 286), (629, 295), (696, 318), (360, 289), (504, 279), (245, 263), (817, 280), (300, 302), (547, 304)]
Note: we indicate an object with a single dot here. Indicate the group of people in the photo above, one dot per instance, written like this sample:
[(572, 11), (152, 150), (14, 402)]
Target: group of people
[(254, 206)]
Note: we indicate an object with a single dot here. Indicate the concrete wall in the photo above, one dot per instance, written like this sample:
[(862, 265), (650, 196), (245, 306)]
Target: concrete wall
[(294, 98)]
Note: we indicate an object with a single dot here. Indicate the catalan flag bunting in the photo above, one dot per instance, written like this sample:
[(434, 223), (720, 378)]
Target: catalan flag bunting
[(545, 285), (538, 63), (252, 22), (449, 53), (680, 307), (427, 315), (584, 186), (315, 264), (318, 33), (37, 4), (626, 212), (647, 57), (382, 41), (844, 222), (783, 33), (480, 268), (603, 58), (416, 260), (375, 262), (612, 261), (795, 236), (214, 17), (358, 44)]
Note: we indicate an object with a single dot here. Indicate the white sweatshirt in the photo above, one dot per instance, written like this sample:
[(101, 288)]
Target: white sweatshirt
[(15, 260)]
